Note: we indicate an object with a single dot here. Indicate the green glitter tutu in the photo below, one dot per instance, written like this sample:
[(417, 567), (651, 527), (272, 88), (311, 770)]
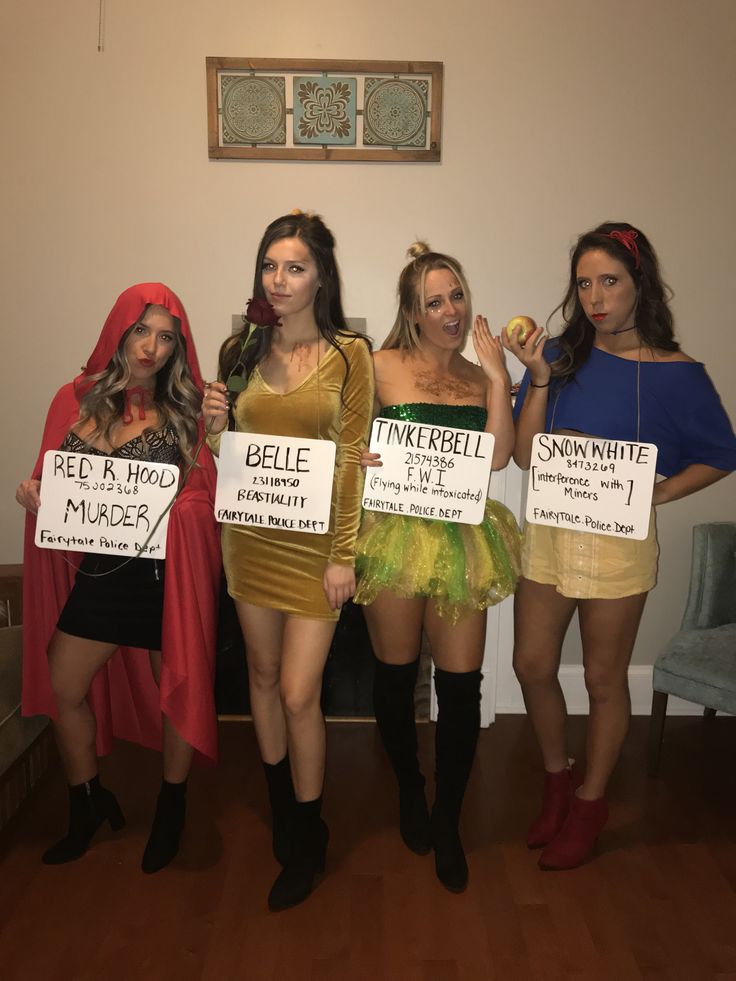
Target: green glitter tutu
[(463, 568)]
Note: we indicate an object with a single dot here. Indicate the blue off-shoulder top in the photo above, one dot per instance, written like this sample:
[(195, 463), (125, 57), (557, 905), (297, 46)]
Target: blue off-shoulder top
[(680, 410)]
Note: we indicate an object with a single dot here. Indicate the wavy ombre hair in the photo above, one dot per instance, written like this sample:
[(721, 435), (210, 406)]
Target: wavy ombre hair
[(176, 397)]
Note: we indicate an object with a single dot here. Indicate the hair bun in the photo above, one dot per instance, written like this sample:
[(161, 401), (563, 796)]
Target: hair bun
[(418, 248)]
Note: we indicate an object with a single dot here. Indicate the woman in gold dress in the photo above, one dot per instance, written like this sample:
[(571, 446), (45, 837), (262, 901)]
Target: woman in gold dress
[(307, 376)]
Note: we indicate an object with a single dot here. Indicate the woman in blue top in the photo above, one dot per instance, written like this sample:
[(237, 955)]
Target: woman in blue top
[(615, 372), (416, 573)]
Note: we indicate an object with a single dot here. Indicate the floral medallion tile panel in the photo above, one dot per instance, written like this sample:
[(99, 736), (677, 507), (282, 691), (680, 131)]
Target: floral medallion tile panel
[(253, 109), (325, 110), (319, 109), (395, 112)]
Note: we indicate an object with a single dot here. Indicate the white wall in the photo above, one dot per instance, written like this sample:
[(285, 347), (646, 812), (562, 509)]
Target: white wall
[(558, 114)]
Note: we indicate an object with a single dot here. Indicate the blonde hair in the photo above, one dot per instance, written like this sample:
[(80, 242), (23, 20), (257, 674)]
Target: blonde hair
[(404, 334)]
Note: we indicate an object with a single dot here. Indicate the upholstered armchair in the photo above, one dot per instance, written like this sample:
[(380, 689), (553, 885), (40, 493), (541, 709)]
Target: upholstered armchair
[(699, 662)]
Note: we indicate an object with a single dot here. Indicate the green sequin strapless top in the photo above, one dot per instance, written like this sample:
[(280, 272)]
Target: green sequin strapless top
[(456, 416)]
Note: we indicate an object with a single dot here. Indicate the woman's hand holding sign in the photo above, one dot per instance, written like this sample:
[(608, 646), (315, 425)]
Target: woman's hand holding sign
[(28, 495), (368, 459), (215, 407)]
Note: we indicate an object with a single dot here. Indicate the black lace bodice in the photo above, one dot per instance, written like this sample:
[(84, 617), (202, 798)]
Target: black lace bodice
[(156, 446)]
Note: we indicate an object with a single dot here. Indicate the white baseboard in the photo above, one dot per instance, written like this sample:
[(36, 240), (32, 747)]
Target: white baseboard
[(573, 686)]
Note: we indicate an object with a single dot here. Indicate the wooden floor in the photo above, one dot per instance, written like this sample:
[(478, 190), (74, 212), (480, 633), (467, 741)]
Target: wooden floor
[(658, 902)]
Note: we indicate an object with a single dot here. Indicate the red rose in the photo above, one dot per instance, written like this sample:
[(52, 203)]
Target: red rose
[(261, 313)]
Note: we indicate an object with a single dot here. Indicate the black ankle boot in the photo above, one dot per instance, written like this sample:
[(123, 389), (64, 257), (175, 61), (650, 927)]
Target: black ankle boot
[(282, 799), (90, 805), (393, 704), (168, 823), (458, 723), (296, 880)]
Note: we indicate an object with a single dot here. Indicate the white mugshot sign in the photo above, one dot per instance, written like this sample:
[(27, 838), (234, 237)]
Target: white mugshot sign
[(275, 482), (104, 504), (429, 471), (601, 485)]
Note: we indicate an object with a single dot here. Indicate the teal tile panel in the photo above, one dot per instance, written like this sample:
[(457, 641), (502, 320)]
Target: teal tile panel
[(253, 109), (325, 110), (395, 111)]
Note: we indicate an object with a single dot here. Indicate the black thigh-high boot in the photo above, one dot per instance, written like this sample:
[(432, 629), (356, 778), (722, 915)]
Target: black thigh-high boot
[(393, 704), (282, 800), (309, 848), (90, 805), (458, 723), (168, 824)]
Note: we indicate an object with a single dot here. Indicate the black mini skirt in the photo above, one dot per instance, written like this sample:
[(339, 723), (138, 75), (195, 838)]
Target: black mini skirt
[(122, 606)]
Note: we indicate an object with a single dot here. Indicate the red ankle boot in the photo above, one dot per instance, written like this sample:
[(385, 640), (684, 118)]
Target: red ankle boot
[(579, 833), (556, 798)]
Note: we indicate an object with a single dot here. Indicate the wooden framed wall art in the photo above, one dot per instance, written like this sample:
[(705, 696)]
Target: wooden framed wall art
[(291, 109)]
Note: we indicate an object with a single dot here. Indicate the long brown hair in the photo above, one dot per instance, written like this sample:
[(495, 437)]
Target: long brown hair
[(654, 320), (328, 311)]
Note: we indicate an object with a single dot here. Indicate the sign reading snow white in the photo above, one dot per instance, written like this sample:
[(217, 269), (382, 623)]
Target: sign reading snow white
[(275, 482), (429, 471), (586, 484), (104, 504)]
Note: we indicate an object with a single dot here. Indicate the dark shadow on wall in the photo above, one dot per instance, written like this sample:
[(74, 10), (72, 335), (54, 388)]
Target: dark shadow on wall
[(348, 678)]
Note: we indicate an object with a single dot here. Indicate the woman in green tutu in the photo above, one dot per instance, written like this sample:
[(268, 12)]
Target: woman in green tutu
[(416, 573)]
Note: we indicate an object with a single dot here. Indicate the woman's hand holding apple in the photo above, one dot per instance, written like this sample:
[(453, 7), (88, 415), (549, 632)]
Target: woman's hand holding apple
[(526, 341)]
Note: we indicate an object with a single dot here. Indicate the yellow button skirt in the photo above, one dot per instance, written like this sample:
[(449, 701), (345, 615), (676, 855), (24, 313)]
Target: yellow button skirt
[(587, 565)]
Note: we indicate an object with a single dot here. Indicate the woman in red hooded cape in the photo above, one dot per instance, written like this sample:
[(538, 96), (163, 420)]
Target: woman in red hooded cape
[(123, 699)]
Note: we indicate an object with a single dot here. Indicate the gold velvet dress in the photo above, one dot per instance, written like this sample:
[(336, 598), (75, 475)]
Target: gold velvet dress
[(283, 569)]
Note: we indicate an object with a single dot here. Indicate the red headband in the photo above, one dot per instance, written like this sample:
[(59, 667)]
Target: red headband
[(627, 240)]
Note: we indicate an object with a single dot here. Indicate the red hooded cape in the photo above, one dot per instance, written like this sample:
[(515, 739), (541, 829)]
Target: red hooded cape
[(123, 696)]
